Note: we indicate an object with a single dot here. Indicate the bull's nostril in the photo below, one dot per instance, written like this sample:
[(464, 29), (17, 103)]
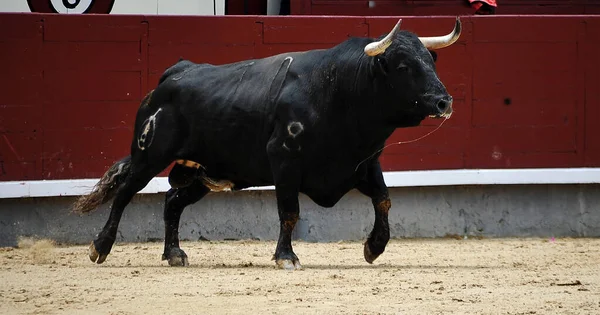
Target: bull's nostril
[(442, 105)]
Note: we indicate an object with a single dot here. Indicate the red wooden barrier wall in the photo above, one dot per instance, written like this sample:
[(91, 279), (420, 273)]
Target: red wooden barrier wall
[(439, 7), (71, 85)]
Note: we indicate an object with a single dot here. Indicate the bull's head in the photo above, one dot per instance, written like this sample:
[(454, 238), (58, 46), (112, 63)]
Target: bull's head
[(407, 65)]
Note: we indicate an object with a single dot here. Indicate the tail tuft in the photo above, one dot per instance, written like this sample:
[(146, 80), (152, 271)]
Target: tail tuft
[(106, 187)]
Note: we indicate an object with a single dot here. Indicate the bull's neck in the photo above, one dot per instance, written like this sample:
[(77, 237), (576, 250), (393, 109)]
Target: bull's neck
[(362, 100)]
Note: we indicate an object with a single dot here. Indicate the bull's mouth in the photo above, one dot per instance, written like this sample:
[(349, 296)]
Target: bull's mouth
[(438, 116)]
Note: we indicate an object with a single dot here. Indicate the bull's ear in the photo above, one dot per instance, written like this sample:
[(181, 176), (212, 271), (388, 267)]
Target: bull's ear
[(381, 65), (434, 55)]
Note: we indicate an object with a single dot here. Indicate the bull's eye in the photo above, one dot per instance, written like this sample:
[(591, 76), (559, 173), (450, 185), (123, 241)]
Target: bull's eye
[(402, 68)]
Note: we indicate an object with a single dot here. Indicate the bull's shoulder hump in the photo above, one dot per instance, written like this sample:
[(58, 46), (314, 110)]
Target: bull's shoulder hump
[(182, 68)]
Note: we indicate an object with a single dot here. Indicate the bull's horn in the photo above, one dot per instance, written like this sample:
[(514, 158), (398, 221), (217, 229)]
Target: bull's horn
[(438, 42), (378, 47)]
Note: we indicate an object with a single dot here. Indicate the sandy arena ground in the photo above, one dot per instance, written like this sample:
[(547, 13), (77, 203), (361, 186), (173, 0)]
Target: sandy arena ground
[(441, 276)]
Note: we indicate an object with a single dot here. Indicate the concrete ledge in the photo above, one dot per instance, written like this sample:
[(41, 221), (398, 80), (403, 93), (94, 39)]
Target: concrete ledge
[(569, 210), (76, 187)]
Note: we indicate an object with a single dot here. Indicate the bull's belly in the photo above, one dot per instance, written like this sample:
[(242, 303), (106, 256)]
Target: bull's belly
[(322, 190), (325, 184), (327, 191)]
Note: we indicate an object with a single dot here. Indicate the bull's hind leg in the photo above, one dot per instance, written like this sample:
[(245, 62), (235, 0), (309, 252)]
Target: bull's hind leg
[(176, 200), (374, 187), (154, 143), (139, 176)]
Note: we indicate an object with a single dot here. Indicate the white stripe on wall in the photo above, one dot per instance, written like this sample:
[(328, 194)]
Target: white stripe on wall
[(75, 187)]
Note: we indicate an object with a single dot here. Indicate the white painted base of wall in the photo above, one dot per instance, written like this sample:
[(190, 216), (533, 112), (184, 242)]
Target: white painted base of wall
[(76, 187)]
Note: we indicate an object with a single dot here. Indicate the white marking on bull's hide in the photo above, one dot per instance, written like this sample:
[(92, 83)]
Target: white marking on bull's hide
[(295, 128), (246, 67), (278, 80), (298, 147), (147, 135)]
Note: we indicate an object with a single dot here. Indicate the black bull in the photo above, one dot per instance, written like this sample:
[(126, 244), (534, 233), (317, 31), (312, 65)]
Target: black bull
[(309, 122)]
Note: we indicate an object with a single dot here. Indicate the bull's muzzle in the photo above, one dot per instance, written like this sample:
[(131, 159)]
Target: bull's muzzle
[(442, 107)]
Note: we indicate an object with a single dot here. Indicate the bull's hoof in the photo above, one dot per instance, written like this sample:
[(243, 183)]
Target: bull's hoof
[(95, 256), (288, 264), (176, 258), (369, 256), (287, 260)]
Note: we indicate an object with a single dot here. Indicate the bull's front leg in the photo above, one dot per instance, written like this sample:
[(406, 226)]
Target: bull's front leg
[(289, 210), (374, 187), (284, 156)]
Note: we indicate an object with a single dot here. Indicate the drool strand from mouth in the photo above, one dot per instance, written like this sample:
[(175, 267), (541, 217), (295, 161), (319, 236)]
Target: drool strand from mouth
[(405, 142)]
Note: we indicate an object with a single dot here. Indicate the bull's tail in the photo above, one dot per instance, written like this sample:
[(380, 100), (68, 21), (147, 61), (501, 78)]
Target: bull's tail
[(106, 187)]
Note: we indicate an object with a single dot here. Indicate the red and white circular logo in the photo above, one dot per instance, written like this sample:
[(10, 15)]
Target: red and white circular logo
[(71, 6)]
